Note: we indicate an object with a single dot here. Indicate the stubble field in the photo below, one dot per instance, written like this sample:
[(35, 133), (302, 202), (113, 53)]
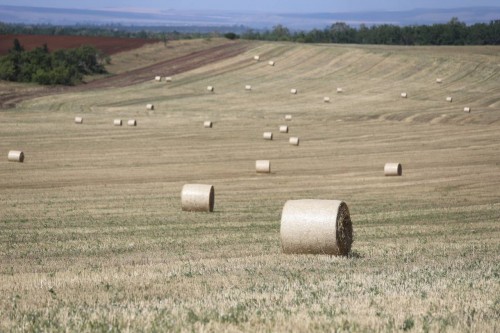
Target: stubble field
[(93, 237)]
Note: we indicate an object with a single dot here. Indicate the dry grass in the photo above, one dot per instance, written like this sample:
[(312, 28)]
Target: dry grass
[(93, 238)]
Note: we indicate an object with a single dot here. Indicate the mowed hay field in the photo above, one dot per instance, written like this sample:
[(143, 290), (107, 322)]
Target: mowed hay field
[(93, 237)]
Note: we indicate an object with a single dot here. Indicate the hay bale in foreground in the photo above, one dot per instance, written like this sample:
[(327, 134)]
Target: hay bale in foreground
[(248, 87), (268, 135), (326, 99), (288, 117), (132, 122), (78, 120), (393, 169), (168, 79), (438, 80), (316, 227), (294, 141), (158, 78), (207, 124), (404, 95), (293, 91), (340, 90), (198, 198), (467, 109), (15, 156), (283, 129), (271, 63), (449, 99), (117, 122), (256, 58), (150, 107), (210, 89), (263, 166)]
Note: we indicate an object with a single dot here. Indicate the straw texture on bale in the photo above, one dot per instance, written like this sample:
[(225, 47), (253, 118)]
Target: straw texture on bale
[(271, 63), (316, 227), (340, 90), (268, 135), (207, 124), (15, 156), (198, 198), (150, 107), (293, 91), (294, 141), (168, 79), (158, 78), (263, 166), (288, 117), (438, 80), (393, 169), (326, 99), (283, 129), (467, 109), (404, 95), (256, 58), (117, 122), (210, 88), (132, 122), (248, 87), (78, 120)]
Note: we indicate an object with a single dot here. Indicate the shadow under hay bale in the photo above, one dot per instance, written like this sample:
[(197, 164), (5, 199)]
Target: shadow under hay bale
[(316, 227)]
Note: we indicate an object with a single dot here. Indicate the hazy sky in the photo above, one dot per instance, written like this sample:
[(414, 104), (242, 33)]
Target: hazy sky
[(258, 5)]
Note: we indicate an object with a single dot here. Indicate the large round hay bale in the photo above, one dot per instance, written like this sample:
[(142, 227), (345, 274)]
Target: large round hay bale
[(293, 91), (78, 120), (158, 78), (256, 58), (268, 135), (404, 95), (316, 227), (326, 99), (117, 122), (393, 169), (198, 198), (467, 109), (271, 63), (150, 107), (340, 90), (263, 166), (288, 117), (248, 87), (132, 122), (449, 99), (294, 141), (283, 129), (208, 124), (210, 89), (15, 156), (438, 80), (168, 79)]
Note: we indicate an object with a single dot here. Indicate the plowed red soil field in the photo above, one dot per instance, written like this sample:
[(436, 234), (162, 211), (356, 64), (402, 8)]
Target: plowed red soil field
[(109, 45)]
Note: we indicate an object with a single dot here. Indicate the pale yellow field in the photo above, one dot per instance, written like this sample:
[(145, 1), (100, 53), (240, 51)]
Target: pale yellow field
[(92, 237)]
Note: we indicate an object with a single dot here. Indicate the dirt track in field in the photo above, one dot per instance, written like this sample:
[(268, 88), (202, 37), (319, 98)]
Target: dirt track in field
[(11, 97)]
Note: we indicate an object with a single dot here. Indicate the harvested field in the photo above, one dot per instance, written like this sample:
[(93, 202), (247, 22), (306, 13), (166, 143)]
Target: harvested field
[(93, 236)]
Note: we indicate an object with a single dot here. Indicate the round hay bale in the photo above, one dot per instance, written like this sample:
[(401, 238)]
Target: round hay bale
[(150, 107), (326, 99), (268, 135), (78, 120), (207, 124), (168, 79), (271, 63), (263, 166), (294, 141), (467, 109), (316, 227), (158, 78), (404, 95), (288, 117), (210, 89), (393, 169), (283, 129), (449, 99), (197, 198), (256, 58), (293, 91), (248, 87), (132, 122), (15, 156), (438, 80), (340, 90), (117, 122)]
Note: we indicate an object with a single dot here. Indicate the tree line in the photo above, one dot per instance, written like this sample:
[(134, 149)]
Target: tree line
[(453, 32), (65, 67)]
